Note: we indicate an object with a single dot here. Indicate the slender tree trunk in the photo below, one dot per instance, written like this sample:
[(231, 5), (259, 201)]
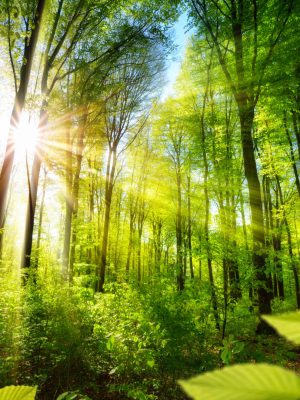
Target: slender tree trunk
[(140, 223), (179, 249), (157, 242), (5, 215), (32, 195), (207, 203), (110, 175), (233, 269), (290, 247), (293, 263), (130, 244), (40, 224), (189, 230), (206, 235), (292, 154), (209, 265), (225, 295), (269, 230), (116, 248), (185, 253), (69, 205), (276, 237), (75, 196), (251, 290), (296, 130), (139, 274)]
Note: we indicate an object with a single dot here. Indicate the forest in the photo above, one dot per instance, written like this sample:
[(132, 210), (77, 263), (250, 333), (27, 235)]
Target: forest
[(149, 238)]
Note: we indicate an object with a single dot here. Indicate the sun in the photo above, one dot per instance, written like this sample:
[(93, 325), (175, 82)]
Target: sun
[(25, 136)]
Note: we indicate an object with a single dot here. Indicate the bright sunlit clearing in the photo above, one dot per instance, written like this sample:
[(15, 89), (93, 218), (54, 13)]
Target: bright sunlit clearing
[(26, 135)]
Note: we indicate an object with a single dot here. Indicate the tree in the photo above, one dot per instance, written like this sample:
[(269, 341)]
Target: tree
[(30, 28), (245, 46), (125, 117)]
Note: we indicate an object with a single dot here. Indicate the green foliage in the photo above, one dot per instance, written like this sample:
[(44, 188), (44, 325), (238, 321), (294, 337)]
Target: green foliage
[(230, 348), (247, 382), (18, 393), (54, 327), (153, 323)]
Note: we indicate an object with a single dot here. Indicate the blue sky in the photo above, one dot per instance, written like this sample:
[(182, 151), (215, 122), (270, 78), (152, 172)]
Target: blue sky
[(173, 66)]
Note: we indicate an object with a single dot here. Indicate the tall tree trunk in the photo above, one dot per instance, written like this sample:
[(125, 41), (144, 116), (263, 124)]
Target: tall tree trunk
[(276, 237), (156, 229), (40, 224), (206, 232), (296, 130), (233, 269), (189, 230), (110, 175), (251, 290), (32, 195), (293, 263), (75, 193), (18, 106), (209, 258), (118, 217), (246, 114), (128, 260), (68, 202), (179, 247), (140, 226), (139, 273), (290, 246), (292, 154), (90, 255), (206, 197), (269, 229)]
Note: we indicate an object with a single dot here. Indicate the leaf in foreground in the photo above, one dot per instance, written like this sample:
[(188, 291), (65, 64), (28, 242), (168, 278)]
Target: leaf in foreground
[(18, 393), (244, 382), (288, 325)]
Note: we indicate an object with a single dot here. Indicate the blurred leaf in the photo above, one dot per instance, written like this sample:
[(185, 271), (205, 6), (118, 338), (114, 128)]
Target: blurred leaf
[(287, 325), (18, 393), (245, 382)]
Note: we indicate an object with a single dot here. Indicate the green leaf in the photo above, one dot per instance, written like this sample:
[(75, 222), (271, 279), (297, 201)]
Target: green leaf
[(288, 325), (18, 393), (245, 382)]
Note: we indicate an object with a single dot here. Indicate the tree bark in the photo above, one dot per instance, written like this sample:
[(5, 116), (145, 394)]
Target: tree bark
[(246, 114), (179, 248), (40, 224), (110, 175), (75, 192), (68, 202), (290, 247), (32, 196), (189, 230), (292, 154)]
